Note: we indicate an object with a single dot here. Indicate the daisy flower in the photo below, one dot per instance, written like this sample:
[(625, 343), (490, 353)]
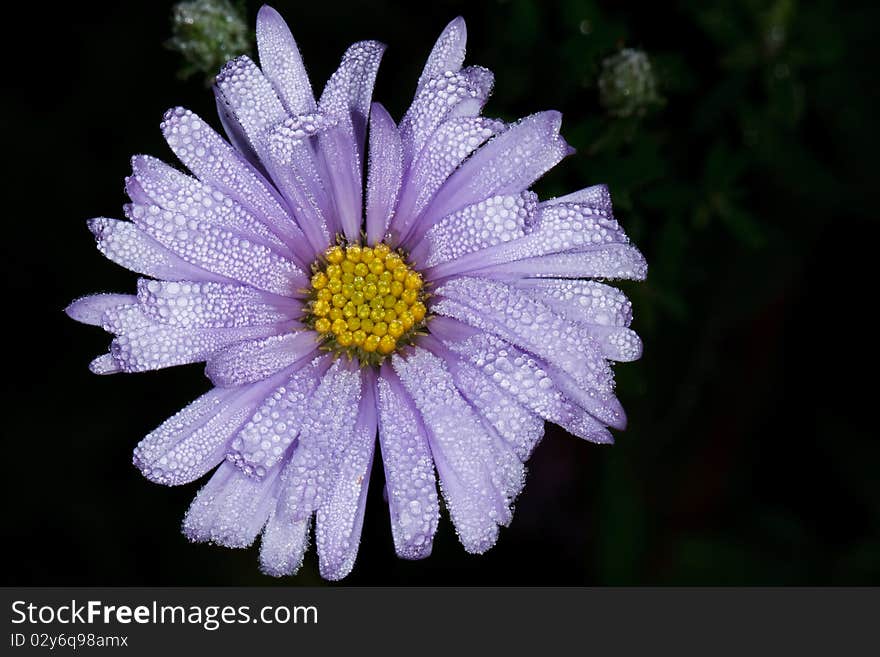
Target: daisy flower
[(438, 305)]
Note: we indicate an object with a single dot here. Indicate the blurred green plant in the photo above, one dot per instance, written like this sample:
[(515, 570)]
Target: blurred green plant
[(627, 85), (208, 33)]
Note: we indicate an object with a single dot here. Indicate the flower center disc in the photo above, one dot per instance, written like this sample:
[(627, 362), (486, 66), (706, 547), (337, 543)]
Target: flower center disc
[(364, 301)]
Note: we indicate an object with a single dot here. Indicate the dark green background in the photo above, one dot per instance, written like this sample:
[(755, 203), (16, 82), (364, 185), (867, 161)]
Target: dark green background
[(748, 459)]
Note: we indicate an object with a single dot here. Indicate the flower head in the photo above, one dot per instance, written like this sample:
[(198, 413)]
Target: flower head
[(440, 305)]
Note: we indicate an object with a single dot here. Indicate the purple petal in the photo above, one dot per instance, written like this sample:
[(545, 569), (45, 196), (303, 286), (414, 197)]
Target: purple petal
[(347, 97), (194, 304), (231, 509), (91, 309), (447, 55), (385, 173), (494, 221), (254, 360), (600, 403), (340, 518), (251, 102), (348, 92), (218, 164), (409, 470), (141, 344), (555, 229), (295, 169), (503, 464), (526, 323), (447, 95), (613, 261), (105, 364), (526, 379), (508, 164), (327, 424), (282, 62), (236, 134), (581, 301), (596, 197), (175, 191), (460, 447), (452, 142), (263, 441), (194, 440), (283, 546), (219, 250), (520, 428), (341, 172), (127, 245)]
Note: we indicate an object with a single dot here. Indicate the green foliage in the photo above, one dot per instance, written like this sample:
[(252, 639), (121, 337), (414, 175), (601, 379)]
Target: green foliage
[(208, 33)]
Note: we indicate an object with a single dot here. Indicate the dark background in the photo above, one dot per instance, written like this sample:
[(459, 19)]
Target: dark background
[(748, 459)]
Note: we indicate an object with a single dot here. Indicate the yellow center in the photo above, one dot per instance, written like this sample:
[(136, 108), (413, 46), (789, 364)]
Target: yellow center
[(365, 301)]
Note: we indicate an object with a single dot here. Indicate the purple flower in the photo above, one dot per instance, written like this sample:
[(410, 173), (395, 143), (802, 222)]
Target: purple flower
[(440, 305)]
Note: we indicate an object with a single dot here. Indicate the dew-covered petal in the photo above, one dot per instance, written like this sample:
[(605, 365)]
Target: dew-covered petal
[(328, 421), (339, 520), (105, 364), (282, 63), (611, 261), (554, 229), (450, 144), (341, 172), (128, 246), (502, 462), (597, 197), (236, 134), (218, 164), (91, 309), (581, 301), (448, 52), (526, 323), (283, 545), (173, 190), (523, 377), (231, 509), (254, 360), (297, 172), (459, 445), (263, 441), (409, 470), (496, 220), (508, 164), (142, 344), (519, 427), (447, 95), (218, 250), (194, 304), (251, 103), (347, 97), (349, 91), (384, 174), (617, 343), (195, 439)]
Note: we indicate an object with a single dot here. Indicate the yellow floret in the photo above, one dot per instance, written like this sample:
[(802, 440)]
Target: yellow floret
[(387, 344), (365, 300), (335, 255)]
